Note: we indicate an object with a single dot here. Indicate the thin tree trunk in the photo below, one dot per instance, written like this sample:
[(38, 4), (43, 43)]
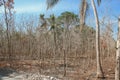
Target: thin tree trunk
[(55, 46), (7, 32), (117, 69), (64, 62), (99, 68)]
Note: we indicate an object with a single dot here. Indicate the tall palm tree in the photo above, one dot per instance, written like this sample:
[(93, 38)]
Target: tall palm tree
[(99, 68), (52, 21), (83, 11), (51, 3)]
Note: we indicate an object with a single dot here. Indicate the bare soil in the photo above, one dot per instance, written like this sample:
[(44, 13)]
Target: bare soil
[(83, 71)]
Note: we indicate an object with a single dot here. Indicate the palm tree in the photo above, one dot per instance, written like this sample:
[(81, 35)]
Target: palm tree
[(53, 26), (51, 3), (99, 68), (43, 21), (53, 29), (83, 11)]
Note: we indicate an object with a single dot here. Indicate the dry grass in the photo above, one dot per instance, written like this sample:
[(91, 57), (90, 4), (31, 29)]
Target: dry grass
[(73, 72)]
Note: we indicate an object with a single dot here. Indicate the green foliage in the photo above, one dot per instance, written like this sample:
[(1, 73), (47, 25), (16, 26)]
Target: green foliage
[(68, 15), (87, 30), (68, 18), (52, 21)]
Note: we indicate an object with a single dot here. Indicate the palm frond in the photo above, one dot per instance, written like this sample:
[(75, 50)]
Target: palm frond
[(42, 21), (98, 1), (51, 3)]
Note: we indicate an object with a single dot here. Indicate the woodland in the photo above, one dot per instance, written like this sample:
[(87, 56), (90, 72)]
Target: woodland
[(60, 47)]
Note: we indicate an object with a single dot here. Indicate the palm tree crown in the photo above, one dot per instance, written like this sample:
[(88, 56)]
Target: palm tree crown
[(51, 3)]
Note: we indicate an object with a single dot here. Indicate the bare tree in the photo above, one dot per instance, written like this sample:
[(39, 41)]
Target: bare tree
[(7, 7)]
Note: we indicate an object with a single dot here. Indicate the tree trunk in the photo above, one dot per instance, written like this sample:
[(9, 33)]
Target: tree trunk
[(64, 62), (117, 69), (99, 68), (83, 14)]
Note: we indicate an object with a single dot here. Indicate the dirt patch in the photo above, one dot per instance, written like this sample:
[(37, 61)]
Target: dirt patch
[(83, 71)]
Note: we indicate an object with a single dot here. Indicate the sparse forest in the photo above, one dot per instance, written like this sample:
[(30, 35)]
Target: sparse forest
[(62, 47)]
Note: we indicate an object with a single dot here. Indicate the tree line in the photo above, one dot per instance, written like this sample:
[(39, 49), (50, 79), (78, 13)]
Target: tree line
[(55, 37)]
